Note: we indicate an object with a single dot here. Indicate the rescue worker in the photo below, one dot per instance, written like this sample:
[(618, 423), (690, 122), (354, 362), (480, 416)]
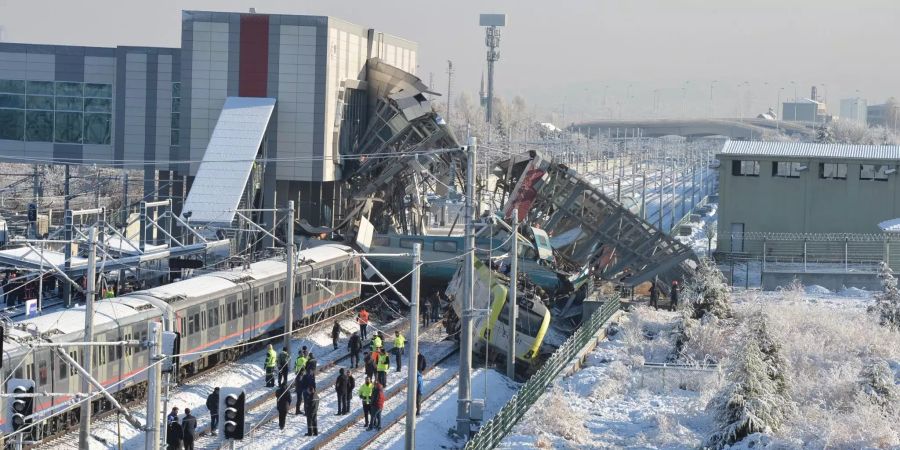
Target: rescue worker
[(376, 343), (300, 362), (369, 363), (355, 345), (212, 403), (270, 366), (343, 390), (283, 359), (426, 313), (399, 347), (311, 407), (351, 385), (377, 407), (654, 295), (365, 394), (362, 318), (335, 334), (283, 403), (673, 296), (420, 387), (382, 366), (298, 387), (188, 429)]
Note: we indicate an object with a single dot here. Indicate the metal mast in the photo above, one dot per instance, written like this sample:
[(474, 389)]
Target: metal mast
[(492, 41), (465, 343)]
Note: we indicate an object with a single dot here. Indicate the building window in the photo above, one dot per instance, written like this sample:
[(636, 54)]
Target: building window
[(745, 168), (877, 172), (176, 114), (786, 169), (47, 111), (832, 171)]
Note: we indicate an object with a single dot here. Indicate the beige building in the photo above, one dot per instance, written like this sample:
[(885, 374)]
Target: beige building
[(803, 188)]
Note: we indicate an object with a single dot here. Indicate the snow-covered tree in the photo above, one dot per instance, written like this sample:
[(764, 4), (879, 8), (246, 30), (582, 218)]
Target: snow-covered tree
[(709, 230), (749, 403), (823, 135), (706, 291), (776, 365), (877, 385), (887, 302)]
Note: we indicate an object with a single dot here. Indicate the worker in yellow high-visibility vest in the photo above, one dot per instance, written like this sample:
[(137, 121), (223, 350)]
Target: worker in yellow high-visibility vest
[(399, 345)]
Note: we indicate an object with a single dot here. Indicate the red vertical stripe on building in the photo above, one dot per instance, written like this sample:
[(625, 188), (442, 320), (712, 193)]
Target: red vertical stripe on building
[(254, 65)]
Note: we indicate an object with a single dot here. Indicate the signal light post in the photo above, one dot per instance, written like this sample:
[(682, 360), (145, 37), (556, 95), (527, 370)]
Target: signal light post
[(232, 409), (21, 406)]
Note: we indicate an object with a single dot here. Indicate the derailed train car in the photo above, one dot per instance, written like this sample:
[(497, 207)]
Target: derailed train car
[(492, 329), (218, 316)]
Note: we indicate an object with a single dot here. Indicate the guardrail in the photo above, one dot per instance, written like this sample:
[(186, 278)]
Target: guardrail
[(493, 431)]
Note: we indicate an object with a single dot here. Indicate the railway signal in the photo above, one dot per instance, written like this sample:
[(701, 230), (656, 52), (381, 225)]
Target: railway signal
[(233, 412), (21, 404)]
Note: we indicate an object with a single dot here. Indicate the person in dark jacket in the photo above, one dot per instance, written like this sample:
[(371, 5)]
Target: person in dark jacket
[(311, 364), (369, 365), (188, 429), (420, 388), (673, 296), (298, 386), (173, 415), (354, 345), (335, 334), (351, 385), (377, 406), (173, 435), (340, 387), (283, 403), (212, 403), (311, 404), (654, 295), (420, 363), (283, 359), (426, 313)]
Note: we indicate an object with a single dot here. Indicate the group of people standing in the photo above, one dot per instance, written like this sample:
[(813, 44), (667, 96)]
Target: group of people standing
[(673, 295), (181, 434)]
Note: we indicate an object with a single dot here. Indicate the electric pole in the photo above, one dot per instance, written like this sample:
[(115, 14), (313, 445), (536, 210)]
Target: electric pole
[(511, 302), (154, 381), (449, 85), (87, 354), (289, 278), (468, 305), (413, 365)]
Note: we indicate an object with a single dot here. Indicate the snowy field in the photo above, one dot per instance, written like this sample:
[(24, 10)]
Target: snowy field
[(617, 401)]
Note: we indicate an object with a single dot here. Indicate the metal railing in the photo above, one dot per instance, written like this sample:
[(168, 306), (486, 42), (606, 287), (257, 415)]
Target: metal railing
[(494, 430)]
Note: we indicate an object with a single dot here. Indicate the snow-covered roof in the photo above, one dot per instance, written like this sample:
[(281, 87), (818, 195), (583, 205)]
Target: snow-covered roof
[(323, 253), (811, 150)]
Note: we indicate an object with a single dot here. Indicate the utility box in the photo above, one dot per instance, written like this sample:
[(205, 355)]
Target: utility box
[(476, 410)]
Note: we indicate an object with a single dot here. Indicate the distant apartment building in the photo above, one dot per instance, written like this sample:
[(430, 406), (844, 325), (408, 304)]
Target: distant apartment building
[(854, 110), (804, 110), (884, 115)]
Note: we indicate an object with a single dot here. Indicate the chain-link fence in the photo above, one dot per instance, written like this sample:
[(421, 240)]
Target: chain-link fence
[(492, 432)]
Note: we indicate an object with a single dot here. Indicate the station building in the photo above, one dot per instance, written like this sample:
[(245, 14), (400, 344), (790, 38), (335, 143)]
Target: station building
[(156, 108)]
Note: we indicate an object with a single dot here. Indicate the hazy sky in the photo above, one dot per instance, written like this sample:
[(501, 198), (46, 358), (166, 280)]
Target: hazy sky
[(576, 56)]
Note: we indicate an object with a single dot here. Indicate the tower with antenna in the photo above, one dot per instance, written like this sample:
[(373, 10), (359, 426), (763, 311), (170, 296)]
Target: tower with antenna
[(449, 85), (482, 95), (492, 22)]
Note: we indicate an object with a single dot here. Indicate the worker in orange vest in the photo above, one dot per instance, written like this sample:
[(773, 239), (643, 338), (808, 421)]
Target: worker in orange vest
[(363, 320)]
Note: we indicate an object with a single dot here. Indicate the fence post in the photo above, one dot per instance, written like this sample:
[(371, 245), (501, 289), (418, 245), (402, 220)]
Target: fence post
[(764, 254), (804, 254), (846, 254)]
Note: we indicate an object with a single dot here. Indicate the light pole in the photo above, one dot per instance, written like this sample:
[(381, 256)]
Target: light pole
[(712, 102)]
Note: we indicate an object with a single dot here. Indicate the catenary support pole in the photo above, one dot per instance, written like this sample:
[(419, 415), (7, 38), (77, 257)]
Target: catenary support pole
[(289, 279), (413, 367), (511, 303), (465, 358), (68, 224), (87, 354), (154, 381)]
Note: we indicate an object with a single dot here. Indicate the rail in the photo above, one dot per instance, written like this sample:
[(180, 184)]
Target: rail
[(494, 430)]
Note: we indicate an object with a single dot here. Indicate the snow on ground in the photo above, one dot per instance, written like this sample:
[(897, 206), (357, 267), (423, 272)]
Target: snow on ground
[(617, 402), (439, 411), (247, 373), (698, 238)]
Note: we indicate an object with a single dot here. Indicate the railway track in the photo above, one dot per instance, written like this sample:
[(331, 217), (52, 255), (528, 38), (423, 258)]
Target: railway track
[(138, 405), (265, 432)]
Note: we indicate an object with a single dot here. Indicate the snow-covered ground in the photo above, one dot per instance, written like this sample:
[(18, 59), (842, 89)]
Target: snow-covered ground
[(247, 373), (439, 411), (618, 402)]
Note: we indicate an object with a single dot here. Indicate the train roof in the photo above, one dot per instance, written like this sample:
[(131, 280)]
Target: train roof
[(68, 321), (324, 253)]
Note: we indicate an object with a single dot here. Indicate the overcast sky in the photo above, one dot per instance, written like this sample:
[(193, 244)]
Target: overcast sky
[(577, 56)]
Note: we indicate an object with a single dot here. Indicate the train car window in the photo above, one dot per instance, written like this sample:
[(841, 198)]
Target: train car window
[(408, 243), (29, 371), (42, 373), (446, 246), (63, 370), (281, 291), (246, 306), (19, 372), (381, 241), (118, 352), (256, 303), (128, 350), (111, 353), (74, 355), (101, 357)]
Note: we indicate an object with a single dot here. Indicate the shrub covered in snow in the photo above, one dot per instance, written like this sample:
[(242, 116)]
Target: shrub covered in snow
[(750, 403), (878, 386), (557, 416), (887, 302), (776, 366), (706, 291)]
